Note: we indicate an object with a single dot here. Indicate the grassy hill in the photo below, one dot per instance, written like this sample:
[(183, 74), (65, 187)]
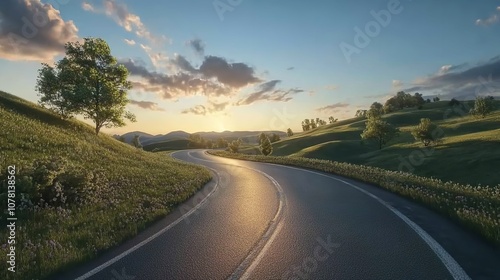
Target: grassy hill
[(168, 145), (469, 154), (96, 191)]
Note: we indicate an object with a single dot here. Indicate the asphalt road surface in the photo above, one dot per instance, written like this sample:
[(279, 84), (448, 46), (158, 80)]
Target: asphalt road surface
[(264, 221)]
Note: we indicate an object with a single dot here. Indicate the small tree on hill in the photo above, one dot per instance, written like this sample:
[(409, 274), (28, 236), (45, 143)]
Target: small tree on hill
[(274, 138), (87, 81), (137, 142), (454, 102), (482, 107), (289, 132), (380, 131), (425, 132), (436, 99), (234, 146), (265, 145), (331, 119)]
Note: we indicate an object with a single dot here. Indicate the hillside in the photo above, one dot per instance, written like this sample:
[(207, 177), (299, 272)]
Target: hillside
[(470, 152), (96, 191)]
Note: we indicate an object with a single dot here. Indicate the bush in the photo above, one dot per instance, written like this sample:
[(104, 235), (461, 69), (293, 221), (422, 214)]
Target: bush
[(54, 182)]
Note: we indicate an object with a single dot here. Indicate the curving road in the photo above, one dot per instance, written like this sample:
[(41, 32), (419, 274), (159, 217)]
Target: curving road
[(264, 221)]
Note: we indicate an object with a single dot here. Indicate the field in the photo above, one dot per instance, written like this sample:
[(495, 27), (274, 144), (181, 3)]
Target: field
[(469, 153), (116, 190)]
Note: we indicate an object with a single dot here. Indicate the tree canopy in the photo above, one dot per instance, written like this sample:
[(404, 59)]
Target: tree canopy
[(89, 82)]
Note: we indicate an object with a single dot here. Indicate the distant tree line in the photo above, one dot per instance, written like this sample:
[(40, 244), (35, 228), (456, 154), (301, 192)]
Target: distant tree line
[(309, 124)]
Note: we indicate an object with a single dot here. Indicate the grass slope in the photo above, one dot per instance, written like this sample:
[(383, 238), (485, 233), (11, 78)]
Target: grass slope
[(469, 154), (170, 145), (135, 188)]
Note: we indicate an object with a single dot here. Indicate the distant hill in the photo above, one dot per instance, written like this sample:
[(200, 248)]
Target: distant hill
[(146, 139)]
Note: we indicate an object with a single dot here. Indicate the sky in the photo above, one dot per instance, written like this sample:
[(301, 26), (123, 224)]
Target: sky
[(218, 65)]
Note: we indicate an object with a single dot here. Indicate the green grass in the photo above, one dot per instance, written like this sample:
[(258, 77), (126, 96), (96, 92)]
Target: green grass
[(139, 188), (469, 154), (474, 207)]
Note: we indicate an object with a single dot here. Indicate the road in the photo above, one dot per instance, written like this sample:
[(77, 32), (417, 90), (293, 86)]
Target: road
[(264, 221)]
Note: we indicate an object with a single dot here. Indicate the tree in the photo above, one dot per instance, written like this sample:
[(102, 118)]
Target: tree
[(289, 132), (234, 146), (313, 124), (274, 138), (137, 142), (53, 92), (419, 100), (482, 107), (380, 131), (331, 119), (436, 99), (426, 131), (453, 102), (265, 144), (87, 81), (375, 111), (427, 100), (221, 143), (361, 113), (306, 125)]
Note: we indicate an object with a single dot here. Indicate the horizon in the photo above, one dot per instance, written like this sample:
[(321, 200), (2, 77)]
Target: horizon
[(216, 68)]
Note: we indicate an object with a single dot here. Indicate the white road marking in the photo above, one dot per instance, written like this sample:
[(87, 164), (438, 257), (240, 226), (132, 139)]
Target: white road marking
[(149, 239), (248, 265), (449, 262)]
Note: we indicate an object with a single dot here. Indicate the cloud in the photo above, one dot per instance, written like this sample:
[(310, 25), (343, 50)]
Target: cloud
[(481, 79), (31, 30), (267, 91), (183, 64), (489, 20), (197, 45), (146, 105), (175, 85), (87, 7), (235, 75), (290, 68), (333, 107), (129, 42), (203, 110), (158, 59), (122, 16), (397, 84), (449, 68)]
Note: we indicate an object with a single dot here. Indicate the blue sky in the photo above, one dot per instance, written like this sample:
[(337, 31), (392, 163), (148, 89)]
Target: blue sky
[(263, 64)]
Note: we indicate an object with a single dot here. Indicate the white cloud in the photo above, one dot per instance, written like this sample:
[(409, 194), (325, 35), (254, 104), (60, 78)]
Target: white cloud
[(490, 20), (129, 42), (397, 84)]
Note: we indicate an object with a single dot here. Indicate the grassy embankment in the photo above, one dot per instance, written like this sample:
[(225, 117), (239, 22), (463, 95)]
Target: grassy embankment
[(98, 191)]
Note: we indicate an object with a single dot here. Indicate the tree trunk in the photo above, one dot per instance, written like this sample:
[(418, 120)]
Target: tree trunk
[(97, 128)]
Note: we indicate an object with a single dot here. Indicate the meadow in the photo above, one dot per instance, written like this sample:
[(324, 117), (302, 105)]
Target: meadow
[(468, 154), (78, 194)]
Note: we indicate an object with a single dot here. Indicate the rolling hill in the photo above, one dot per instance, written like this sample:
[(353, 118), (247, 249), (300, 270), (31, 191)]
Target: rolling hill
[(469, 153), (78, 194)]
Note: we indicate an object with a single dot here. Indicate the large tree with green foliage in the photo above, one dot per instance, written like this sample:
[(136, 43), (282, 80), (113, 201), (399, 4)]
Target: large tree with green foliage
[(482, 107), (380, 131), (265, 146), (87, 81), (427, 132)]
